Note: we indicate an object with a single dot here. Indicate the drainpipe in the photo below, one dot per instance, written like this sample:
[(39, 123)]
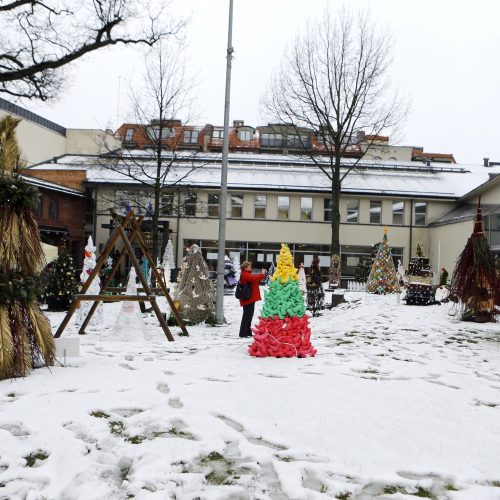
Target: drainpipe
[(411, 228), (178, 227)]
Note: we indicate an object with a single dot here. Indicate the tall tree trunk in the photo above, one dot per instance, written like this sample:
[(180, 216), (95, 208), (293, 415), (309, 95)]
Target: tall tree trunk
[(154, 222), (335, 197), (157, 191)]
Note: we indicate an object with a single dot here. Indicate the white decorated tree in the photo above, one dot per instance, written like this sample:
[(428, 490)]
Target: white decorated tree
[(168, 263), (236, 264), (89, 262), (302, 280), (168, 255), (129, 324)]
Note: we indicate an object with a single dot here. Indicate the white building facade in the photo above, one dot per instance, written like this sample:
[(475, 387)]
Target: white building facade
[(277, 199)]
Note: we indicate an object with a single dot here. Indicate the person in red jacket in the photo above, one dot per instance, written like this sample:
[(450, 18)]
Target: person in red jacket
[(249, 304)]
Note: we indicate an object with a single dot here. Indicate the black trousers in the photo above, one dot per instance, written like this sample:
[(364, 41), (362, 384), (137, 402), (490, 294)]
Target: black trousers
[(246, 320)]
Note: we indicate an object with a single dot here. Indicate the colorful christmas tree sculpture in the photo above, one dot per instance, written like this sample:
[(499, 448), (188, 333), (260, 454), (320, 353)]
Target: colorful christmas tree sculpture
[(26, 340), (419, 289), (383, 277), (474, 278), (283, 329)]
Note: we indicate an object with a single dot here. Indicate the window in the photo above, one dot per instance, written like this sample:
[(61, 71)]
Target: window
[(495, 230), (260, 203), (375, 212), (190, 136), (53, 209), (154, 133), (190, 204), (213, 205), (327, 209), (129, 134), (138, 201), (306, 206), (398, 213), (245, 135), (121, 201), (236, 206), (352, 211), (283, 207), (167, 204), (271, 140), (420, 213), (218, 135), (37, 209), (296, 141)]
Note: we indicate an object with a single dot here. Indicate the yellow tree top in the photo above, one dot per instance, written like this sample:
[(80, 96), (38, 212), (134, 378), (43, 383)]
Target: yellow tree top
[(285, 268)]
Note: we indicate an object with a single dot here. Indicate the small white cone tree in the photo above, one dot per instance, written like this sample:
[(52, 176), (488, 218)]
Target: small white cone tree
[(129, 324)]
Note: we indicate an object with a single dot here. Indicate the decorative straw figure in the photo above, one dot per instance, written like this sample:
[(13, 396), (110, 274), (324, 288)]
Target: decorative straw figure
[(474, 278), (25, 335)]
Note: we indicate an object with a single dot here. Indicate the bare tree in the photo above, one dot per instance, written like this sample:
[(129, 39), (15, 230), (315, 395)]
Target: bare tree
[(40, 37), (333, 80), (159, 168)]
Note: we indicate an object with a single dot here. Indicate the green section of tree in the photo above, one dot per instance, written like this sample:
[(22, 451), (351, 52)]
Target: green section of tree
[(283, 299)]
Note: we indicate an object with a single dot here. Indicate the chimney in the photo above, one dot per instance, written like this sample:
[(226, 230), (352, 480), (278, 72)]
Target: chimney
[(486, 162), (238, 123)]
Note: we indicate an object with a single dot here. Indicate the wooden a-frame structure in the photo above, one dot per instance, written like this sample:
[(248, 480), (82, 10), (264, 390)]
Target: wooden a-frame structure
[(122, 224)]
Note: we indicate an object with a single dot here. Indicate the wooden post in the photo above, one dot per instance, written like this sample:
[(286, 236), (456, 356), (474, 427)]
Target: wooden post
[(104, 288), (119, 232), (100, 262), (158, 278)]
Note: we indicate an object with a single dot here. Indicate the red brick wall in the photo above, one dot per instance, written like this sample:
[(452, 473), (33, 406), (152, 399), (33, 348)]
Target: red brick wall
[(69, 178), (71, 215)]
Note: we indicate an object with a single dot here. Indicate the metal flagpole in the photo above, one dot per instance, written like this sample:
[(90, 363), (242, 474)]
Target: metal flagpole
[(223, 181)]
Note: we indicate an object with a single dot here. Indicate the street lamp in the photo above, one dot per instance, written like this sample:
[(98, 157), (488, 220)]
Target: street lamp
[(219, 311)]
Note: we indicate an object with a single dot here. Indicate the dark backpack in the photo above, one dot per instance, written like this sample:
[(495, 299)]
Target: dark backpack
[(243, 292)]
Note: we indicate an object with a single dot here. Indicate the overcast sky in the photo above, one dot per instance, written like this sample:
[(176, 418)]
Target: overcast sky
[(446, 60)]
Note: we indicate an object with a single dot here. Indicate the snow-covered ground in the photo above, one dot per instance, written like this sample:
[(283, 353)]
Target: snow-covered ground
[(400, 402)]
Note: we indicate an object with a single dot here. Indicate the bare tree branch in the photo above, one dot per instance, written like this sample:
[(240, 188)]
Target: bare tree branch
[(334, 80), (39, 38), (157, 107)]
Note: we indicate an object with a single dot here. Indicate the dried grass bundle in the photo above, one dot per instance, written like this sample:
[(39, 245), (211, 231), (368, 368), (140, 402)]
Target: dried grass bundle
[(25, 335), (473, 281)]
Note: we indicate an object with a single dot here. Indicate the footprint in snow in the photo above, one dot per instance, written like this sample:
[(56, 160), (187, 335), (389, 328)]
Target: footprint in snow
[(127, 366), (175, 403), (163, 388), (16, 429), (127, 412), (254, 440)]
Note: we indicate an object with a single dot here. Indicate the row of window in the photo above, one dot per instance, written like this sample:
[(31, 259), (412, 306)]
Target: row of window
[(53, 209), (190, 204), (191, 136), (375, 212), (262, 254)]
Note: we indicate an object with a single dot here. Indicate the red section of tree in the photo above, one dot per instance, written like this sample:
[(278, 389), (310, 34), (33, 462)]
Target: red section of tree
[(282, 338)]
